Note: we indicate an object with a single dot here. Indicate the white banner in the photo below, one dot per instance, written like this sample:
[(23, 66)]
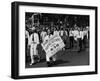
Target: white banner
[(53, 45)]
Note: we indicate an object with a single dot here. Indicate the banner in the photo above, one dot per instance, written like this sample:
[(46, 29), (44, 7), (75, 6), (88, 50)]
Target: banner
[(53, 45)]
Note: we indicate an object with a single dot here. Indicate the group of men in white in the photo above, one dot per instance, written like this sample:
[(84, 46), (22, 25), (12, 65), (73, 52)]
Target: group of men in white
[(77, 34)]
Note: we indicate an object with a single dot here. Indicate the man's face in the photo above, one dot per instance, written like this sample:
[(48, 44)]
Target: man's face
[(48, 31)]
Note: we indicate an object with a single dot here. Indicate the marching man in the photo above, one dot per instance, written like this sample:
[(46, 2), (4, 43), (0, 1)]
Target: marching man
[(80, 39), (34, 40), (50, 60), (71, 38), (86, 36), (43, 34)]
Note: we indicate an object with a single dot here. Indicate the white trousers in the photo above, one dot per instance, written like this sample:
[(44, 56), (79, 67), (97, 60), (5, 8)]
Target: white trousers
[(33, 51), (53, 58)]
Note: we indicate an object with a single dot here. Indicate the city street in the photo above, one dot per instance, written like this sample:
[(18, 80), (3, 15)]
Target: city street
[(66, 58)]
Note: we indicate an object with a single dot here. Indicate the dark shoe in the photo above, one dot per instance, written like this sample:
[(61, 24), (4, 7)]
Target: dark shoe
[(33, 63), (38, 60), (79, 51), (49, 64)]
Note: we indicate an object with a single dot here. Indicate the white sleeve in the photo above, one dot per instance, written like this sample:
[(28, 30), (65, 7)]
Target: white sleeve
[(36, 38), (30, 40), (66, 33)]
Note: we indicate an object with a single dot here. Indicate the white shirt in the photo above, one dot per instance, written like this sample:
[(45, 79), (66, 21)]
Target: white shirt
[(75, 33), (30, 39), (26, 34), (47, 37), (43, 35), (86, 33), (66, 33), (61, 33), (55, 32), (36, 38), (70, 33), (81, 34)]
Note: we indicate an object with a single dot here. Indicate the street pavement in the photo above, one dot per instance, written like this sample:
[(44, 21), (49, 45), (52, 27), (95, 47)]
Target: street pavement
[(68, 57)]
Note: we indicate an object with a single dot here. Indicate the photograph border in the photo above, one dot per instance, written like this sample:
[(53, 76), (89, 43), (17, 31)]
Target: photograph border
[(15, 39)]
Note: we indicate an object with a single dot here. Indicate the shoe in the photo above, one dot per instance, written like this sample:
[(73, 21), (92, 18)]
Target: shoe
[(32, 64), (38, 60), (49, 64), (79, 51)]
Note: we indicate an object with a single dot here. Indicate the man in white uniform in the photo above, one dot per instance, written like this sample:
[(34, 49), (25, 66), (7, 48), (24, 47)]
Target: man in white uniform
[(34, 40), (43, 34), (75, 34), (31, 48), (50, 60)]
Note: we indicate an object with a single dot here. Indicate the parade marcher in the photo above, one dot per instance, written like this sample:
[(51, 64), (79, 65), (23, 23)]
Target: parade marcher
[(31, 49), (34, 39), (65, 38), (50, 60), (61, 33), (71, 38), (80, 37), (85, 38), (43, 34), (46, 39), (87, 29), (55, 32), (75, 34), (36, 42)]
